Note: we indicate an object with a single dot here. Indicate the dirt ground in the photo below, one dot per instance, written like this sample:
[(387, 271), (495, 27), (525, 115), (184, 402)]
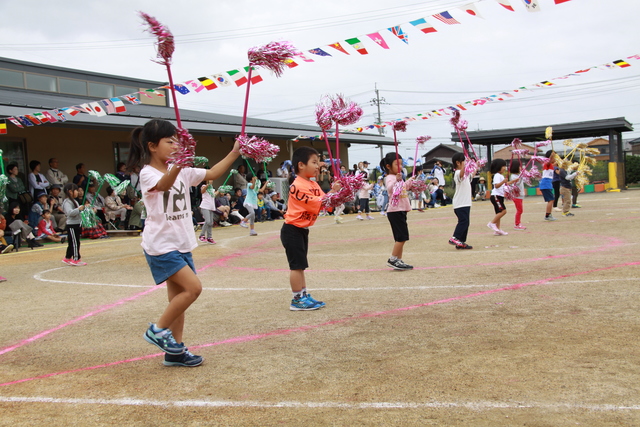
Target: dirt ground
[(537, 328)]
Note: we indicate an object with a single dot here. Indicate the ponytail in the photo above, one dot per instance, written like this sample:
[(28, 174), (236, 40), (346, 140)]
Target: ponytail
[(151, 133)]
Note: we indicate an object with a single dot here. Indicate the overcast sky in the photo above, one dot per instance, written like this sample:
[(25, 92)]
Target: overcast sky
[(480, 57)]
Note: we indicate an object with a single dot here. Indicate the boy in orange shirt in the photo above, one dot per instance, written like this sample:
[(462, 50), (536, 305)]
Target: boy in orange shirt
[(305, 199)]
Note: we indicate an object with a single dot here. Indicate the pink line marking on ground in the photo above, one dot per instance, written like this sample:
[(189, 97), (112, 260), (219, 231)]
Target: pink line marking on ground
[(281, 332)]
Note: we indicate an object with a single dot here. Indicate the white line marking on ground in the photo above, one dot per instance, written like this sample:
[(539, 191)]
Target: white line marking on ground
[(476, 406)]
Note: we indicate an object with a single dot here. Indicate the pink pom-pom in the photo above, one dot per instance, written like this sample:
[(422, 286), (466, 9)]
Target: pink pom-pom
[(421, 140), (521, 152), (345, 112), (511, 191), (347, 193), (543, 143), (257, 149), (472, 166), (540, 159), (459, 125), (272, 56), (323, 114), (417, 186), (185, 154), (165, 43), (400, 126), (516, 143)]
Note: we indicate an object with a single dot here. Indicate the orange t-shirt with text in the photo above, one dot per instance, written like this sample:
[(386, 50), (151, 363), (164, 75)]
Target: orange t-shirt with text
[(304, 204)]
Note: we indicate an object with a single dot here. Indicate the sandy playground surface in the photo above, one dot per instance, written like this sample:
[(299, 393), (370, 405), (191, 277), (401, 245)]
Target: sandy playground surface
[(537, 328)]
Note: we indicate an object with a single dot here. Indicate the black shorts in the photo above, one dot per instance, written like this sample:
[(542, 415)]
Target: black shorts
[(296, 245), (498, 204), (398, 221)]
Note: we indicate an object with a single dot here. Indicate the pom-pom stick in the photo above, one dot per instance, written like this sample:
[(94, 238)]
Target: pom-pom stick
[(420, 141), (3, 188), (2, 162), (343, 113), (271, 56), (231, 173), (400, 126)]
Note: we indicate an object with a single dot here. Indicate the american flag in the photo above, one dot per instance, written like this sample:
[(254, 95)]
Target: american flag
[(446, 18)]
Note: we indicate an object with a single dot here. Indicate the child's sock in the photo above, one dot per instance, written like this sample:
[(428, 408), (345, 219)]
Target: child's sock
[(155, 329), (297, 295), (547, 215), (304, 291), (393, 258)]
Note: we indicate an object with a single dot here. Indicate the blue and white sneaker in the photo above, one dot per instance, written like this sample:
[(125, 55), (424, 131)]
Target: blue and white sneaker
[(163, 340), (186, 359), (302, 304), (320, 303)]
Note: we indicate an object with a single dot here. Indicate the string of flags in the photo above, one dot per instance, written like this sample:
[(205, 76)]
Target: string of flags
[(238, 77)]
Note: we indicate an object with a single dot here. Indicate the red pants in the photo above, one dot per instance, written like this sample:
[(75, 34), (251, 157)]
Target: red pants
[(518, 203)]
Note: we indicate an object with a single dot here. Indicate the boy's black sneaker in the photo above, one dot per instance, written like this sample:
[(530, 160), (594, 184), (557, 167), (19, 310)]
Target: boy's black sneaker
[(398, 264), (463, 245), (186, 359)]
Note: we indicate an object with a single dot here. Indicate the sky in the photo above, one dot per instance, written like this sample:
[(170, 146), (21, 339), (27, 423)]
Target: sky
[(501, 51)]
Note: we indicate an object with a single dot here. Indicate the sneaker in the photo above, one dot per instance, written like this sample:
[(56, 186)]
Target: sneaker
[(303, 304), (398, 264), (225, 224), (63, 240), (557, 209), (67, 261), (437, 205), (549, 218), (253, 233), (243, 224), (76, 263), (320, 303), (360, 218), (568, 214), (202, 239), (8, 249), (519, 227), (3, 279), (497, 233), (493, 227), (338, 220), (576, 206), (455, 242), (187, 359), (463, 245), (502, 232), (369, 217), (163, 340), (211, 241)]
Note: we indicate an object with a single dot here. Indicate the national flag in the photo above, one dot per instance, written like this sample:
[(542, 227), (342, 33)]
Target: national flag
[(41, 117), (3, 127), (622, 64), (422, 25), (194, 85), (532, 5), (546, 83), (71, 110), (319, 52), (255, 76), (24, 121), (207, 83), (633, 57), (60, 115), (33, 119), (507, 94), (290, 63), (108, 106), (301, 56), (49, 117), (119, 105), (357, 45), (98, 109), (222, 79), (131, 98), (338, 46), (460, 106), (560, 1), (472, 10), (145, 94), (506, 5), (376, 37), (179, 87), (238, 77), (155, 92), (16, 122), (446, 18), (86, 108), (583, 71), (397, 31)]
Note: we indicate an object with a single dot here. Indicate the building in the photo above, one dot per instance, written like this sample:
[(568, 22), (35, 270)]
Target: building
[(505, 153), (100, 141), (442, 153)]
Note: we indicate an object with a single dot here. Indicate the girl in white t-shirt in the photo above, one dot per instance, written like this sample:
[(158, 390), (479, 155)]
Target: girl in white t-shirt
[(207, 206), (498, 169), (168, 236), (461, 202)]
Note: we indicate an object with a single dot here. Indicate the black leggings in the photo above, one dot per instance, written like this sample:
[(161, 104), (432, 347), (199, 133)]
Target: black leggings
[(73, 239)]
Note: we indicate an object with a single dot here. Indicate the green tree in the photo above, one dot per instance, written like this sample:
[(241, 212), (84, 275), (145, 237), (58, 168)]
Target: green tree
[(632, 167)]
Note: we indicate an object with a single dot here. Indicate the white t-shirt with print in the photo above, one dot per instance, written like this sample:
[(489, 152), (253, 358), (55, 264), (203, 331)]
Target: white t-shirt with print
[(462, 196), (169, 226), (498, 191)]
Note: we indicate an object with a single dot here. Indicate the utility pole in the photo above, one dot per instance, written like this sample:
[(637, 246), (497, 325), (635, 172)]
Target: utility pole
[(377, 101)]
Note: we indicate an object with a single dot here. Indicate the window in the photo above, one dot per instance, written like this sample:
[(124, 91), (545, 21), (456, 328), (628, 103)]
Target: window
[(39, 82), (11, 78), (124, 90), (120, 153), (100, 90), (75, 87)]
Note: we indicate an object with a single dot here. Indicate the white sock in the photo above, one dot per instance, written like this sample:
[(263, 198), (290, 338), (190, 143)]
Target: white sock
[(393, 258), (297, 295)]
